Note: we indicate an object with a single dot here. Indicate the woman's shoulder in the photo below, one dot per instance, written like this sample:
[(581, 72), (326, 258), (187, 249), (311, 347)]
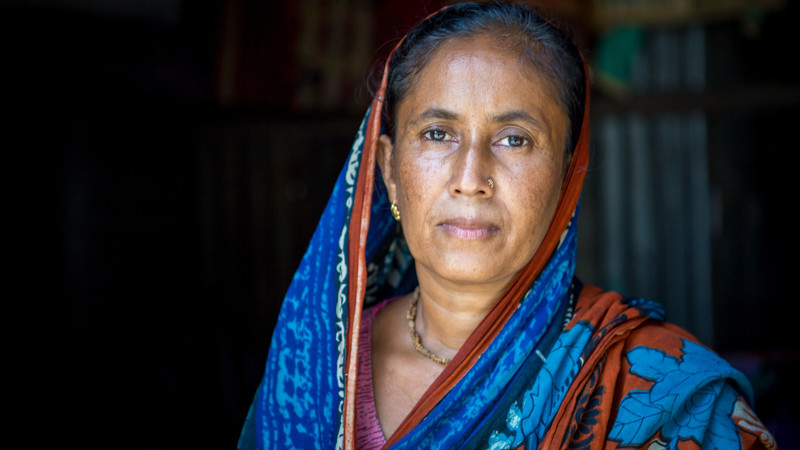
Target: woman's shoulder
[(638, 331), (665, 380), (600, 307), (632, 320)]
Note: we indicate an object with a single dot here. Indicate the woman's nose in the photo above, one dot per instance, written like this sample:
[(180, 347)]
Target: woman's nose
[(471, 171)]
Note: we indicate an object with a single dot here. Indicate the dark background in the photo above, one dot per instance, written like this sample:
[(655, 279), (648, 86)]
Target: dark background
[(178, 155)]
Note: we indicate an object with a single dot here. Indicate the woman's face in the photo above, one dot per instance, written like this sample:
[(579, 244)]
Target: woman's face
[(475, 112)]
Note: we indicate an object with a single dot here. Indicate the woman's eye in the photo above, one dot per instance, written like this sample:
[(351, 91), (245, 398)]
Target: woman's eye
[(514, 141), (438, 135)]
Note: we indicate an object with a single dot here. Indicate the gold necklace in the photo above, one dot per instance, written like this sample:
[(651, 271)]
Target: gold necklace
[(411, 316), (412, 328)]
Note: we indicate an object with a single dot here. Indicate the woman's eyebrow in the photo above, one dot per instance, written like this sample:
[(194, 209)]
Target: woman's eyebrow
[(513, 116), (445, 114), (436, 113)]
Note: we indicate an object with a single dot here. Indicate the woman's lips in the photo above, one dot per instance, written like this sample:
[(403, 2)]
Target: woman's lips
[(469, 229)]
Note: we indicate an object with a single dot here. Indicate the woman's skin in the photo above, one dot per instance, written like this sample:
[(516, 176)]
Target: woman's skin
[(475, 111)]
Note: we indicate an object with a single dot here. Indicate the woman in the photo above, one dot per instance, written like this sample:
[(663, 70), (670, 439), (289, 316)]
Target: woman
[(436, 305)]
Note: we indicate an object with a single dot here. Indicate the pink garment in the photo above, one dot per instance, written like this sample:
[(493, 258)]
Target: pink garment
[(368, 432)]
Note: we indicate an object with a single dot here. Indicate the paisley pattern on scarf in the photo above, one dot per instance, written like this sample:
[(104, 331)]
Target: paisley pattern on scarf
[(299, 403)]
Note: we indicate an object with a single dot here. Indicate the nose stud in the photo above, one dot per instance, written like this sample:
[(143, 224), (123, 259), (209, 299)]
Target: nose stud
[(491, 183)]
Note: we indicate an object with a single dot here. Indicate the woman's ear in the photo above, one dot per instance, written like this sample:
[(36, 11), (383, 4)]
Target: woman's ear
[(385, 149)]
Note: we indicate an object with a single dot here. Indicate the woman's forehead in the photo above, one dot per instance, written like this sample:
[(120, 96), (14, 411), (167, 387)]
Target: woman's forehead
[(462, 74)]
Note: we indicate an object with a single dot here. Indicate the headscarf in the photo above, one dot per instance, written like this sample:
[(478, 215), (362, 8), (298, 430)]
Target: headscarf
[(506, 385), (307, 394)]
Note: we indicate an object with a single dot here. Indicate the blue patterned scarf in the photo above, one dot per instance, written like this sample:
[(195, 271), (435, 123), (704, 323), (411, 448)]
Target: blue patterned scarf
[(503, 391), (300, 401)]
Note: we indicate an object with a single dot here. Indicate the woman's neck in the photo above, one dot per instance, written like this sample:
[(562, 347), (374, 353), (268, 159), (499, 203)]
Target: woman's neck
[(448, 313)]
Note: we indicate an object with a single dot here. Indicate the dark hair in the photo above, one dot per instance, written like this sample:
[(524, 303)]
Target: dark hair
[(541, 43)]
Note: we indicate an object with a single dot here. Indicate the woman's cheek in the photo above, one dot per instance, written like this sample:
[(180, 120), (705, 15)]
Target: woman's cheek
[(417, 175)]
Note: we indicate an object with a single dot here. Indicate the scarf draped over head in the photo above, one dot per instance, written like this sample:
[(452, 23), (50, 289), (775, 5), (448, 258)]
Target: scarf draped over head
[(355, 257), (520, 379)]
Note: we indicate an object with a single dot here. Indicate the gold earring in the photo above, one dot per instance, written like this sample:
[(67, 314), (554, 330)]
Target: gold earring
[(395, 211), (491, 183)]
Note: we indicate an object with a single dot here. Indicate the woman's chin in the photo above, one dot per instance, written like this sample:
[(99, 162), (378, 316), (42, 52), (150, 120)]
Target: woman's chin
[(468, 268)]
